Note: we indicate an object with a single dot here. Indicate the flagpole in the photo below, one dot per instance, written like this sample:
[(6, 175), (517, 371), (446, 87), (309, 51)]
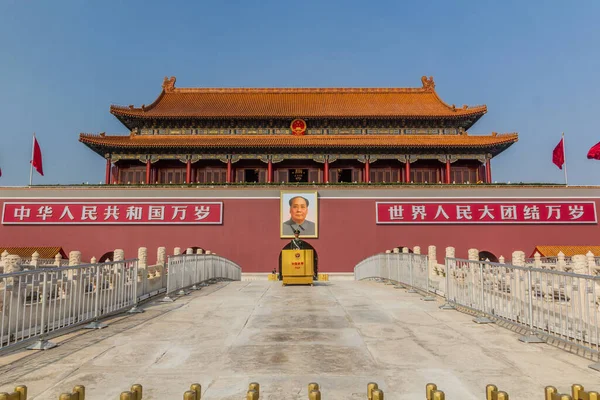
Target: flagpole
[(565, 155), (31, 162)]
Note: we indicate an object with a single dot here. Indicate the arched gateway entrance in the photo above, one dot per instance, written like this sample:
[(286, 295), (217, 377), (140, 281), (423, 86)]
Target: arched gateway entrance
[(308, 247)]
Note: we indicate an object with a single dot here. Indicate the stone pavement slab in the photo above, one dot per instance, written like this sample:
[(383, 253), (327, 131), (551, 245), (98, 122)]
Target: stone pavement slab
[(341, 334)]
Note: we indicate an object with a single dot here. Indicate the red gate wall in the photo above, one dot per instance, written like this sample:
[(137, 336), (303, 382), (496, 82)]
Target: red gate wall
[(249, 234)]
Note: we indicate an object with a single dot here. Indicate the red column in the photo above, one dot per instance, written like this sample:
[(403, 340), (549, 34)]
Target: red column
[(326, 170), (228, 178), (269, 171), (367, 171), (407, 170), (488, 171), (188, 171), (107, 178), (148, 170), (118, 174), (447, 171)]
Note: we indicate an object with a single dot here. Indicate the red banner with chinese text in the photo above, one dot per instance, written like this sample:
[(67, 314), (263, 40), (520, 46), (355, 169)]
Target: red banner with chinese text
[(102, 213), (490, 212)]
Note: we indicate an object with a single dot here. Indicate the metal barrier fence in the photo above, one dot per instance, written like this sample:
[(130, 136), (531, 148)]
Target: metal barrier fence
[(38, 302), (188, 270), (406, 268), (549, 304), (556, 304)]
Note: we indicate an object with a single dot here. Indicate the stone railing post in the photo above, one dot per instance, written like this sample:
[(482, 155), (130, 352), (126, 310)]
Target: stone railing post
[(405, 250), (518, 258), (12, 263), (473, 255), (450, 252), (118, 255), (591, 262), (57, 260), (537, 260), (189, 251), (35, 257), (161, 256), (432, 260), (199, 251), (177, 251), (142, 258), (396, 250), (3, 255), (142, 278), (561, 263), (74, 258), (501, 260), (417, 250), (208, 252), (580, 264), (93, 260)]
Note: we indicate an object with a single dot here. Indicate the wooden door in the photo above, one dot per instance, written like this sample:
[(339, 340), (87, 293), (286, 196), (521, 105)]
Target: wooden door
[(333, 175)]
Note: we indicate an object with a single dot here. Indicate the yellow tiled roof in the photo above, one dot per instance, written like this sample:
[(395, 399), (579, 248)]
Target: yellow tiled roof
[(569, 251), (26, 252), (290, 141), (298, 103)]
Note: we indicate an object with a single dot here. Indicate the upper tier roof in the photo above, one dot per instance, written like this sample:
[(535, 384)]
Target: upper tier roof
[(182, 103)]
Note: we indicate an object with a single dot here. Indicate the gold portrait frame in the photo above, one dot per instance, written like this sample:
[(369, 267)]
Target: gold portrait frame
[(287, 224)]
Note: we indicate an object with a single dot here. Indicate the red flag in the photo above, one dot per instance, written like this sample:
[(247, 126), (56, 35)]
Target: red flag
[(558, 155), (594, 152), (37, 157)]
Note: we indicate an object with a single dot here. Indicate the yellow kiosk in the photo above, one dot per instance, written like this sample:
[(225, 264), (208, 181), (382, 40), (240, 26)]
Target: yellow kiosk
[(297, 267)]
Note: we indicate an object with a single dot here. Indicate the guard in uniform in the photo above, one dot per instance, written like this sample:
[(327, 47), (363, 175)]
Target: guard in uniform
[(297, 243)]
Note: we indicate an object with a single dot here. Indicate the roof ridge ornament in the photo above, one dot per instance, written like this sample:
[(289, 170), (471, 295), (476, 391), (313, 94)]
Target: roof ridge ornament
[(169, 84), (428, 83)]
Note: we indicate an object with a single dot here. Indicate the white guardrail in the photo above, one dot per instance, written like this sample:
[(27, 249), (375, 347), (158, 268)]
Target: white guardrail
[(188, 270), (548, 304), (42, 301), (37, 303)]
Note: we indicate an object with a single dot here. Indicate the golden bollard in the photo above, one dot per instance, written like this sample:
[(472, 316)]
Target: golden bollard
[(3, 396), (63, 396), (439, 395), (313, 386), (254, 386), (136, 391), (565, 397), (196, 388), (370, 387), (314, 395), (377, 394), (576, 390), (126, 396), (429, 389), (22, 390), (489, 391), (189, 395), (549, 392), (593, 396), (80, 390), (252, 395), (502, 395)]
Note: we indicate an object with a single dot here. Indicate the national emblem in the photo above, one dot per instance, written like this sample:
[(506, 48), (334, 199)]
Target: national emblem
[(298, 127)]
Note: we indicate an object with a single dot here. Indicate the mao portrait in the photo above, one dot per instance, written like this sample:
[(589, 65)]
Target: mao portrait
[(299, 211)]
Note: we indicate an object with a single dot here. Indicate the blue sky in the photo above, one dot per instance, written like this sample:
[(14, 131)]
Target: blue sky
[(535, 64)]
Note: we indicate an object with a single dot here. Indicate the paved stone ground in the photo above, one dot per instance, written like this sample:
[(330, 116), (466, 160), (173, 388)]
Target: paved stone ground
[(340, 334)]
